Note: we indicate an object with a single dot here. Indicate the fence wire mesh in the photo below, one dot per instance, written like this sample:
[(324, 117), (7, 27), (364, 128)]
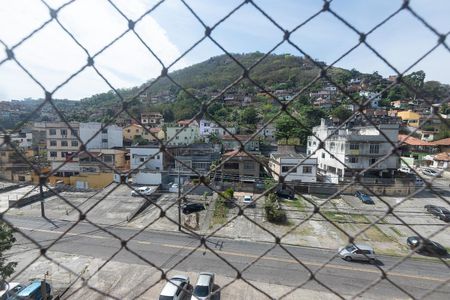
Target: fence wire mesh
[(208, 241)]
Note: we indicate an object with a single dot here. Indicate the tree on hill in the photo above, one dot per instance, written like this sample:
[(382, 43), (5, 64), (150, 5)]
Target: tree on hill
[(249, 115), (341, 112)]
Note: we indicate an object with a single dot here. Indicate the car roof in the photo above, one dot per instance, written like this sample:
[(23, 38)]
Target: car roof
[(204, 278), (171, 286), (30, 288), (363, 247)]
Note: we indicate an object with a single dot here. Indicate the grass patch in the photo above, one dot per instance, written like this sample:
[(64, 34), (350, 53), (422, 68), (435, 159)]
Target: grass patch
[(220, 212), (335, 217), (298, 203)]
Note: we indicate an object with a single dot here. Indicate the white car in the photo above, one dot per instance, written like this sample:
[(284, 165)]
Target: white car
[(204, 287), (357, 252), (143, 190), (248, 201), (431, 172), (174, 188), (176, 288)]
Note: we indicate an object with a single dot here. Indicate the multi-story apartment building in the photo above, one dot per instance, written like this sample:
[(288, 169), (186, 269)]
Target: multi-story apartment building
[(301, 169), (107, 138), (233, 142), (206, 128), (180, 135), (152, 119), (239, 167), (353, 149), (146, 162)]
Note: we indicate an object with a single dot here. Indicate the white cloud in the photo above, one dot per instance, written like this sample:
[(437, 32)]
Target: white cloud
[(52, 56)]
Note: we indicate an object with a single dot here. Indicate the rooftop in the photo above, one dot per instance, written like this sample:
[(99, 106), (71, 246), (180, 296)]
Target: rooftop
[(442, 142), (412, 141), (288, 155)]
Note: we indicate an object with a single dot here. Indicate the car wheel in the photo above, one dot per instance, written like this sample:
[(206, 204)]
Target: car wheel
[(348, 258)]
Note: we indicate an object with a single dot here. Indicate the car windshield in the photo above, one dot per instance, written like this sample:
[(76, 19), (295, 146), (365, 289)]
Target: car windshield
[(350, 248), (165, 298), (201, 291)]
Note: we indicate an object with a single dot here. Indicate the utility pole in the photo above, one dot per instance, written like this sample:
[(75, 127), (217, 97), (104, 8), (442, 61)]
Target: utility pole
[(179, 201), (41, 191)]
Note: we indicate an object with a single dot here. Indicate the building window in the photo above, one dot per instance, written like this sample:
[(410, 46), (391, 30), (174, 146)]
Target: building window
[(104, 140), (157, 156), (52, 132), (64, 143), (53, 143), (285, 169), (63, 154), (307, 170), (309, 143), (53, 154), (74, 132), (353, 160), (372, 160), (128, 130), (108, 158), (63, 131), (354, 146), (249, 165), (233, 166), (374, 148), (105, 130), (323, 154), (332, 146), (74, 143), (142, 159)]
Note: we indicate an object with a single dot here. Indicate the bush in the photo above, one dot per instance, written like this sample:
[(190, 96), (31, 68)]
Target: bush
[(274, 212)]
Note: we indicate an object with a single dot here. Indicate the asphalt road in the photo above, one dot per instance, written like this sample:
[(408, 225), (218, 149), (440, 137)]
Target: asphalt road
[(179, 251)]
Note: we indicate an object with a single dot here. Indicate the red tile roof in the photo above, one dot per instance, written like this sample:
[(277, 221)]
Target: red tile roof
[(412, 141), (443, 142), (444, 156)]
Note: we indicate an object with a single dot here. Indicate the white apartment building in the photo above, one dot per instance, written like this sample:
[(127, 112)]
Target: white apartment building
[(107, 138), (147, 164), (305, 170), (179, 135), (206, 128), (268, 132), (152, 119), (353, 149)]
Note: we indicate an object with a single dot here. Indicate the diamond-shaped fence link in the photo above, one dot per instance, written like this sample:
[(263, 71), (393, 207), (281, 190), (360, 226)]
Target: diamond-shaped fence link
[(355, 224)]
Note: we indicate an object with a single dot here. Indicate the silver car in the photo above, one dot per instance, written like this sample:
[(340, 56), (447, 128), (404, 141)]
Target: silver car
[(357, 252), (176, 288), (204, 287)]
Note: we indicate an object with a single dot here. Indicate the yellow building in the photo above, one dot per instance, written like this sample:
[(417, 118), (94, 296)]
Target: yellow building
[(134, 130), (410, 118)]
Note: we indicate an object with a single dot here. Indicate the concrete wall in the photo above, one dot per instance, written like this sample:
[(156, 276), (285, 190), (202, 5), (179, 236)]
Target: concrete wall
[(93, 181), (139, 153), (147, 178)]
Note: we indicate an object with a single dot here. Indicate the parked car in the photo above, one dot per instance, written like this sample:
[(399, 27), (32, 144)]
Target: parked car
[(426, 246), (430, 172), (248, 201), (143, 190), (189, 208), (364, 198), (357, 252), (9, 290), (441, 212), (419, 181), (286, 194), (204, 287), (405, 169), (34, 291), (176, 288), (174, 188)]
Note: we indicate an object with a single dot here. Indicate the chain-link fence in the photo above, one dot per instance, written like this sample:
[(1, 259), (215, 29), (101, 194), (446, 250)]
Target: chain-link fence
[(258, 241)]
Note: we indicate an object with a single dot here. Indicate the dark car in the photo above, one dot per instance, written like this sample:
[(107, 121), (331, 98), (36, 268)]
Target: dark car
[(425, 246), (189, 208), (364, 198), (439, 211), (286, 194)]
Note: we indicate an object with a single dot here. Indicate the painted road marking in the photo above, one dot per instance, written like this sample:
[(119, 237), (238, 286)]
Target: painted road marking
[(239, 254)]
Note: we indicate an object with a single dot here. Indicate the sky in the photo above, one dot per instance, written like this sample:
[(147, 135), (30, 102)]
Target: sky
[(52, 56)]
